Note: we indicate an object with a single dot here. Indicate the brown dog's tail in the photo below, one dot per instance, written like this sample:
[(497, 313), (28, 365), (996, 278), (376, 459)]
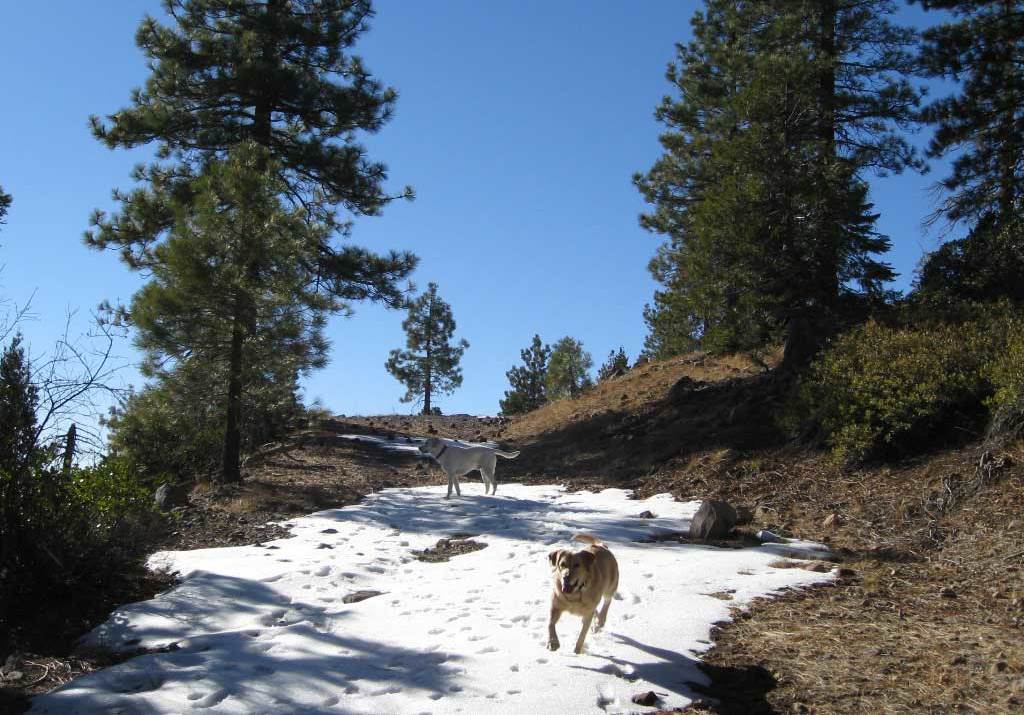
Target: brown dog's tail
[(588, 539)]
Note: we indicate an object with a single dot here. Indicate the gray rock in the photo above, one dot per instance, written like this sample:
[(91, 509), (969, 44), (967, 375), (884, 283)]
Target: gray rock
[(357, 596), (715, 519), (768, 537), (170, 495)]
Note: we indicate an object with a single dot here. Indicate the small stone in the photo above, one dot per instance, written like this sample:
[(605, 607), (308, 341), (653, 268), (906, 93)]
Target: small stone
[(648, 699), (357, 596), (645, 515), (328, 531), (947, 592)]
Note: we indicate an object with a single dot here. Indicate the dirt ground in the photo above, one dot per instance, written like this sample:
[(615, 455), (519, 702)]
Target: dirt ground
[(927, 616)]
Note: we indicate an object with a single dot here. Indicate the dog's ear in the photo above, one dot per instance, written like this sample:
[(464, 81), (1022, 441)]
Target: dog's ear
[(586, 558), (553, 556)]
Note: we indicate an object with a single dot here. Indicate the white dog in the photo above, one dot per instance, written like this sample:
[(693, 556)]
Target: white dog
[(457, 460)]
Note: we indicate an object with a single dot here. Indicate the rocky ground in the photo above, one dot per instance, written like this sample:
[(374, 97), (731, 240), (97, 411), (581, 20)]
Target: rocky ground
[(928, 616)]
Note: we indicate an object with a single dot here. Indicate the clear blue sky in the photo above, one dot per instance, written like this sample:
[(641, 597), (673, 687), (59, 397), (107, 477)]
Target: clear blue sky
[(519, 124)]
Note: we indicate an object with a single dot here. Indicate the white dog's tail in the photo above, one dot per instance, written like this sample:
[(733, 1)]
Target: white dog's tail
[(507, 455)]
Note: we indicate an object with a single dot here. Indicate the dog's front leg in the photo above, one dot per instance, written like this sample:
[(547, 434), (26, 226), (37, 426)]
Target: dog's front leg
[(553, 643), (583, 633), (449, 495)]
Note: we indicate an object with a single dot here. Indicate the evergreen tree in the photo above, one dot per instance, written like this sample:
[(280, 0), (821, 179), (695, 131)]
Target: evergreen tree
[(231, 255), (430, 364), (617, 364), (568, 369), (5, 204), (278, 74), (527, 381), (19, 399), (982, 47), (783, 106)]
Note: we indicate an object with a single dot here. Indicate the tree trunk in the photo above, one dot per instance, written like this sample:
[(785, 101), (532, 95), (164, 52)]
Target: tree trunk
[(231, 470), (427, 387), (827, 264)]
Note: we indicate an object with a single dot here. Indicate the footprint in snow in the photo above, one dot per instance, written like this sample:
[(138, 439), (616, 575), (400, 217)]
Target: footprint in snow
[(211, 700)]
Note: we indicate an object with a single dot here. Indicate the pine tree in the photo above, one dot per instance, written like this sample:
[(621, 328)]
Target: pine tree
[(568, 369), (430, 363), (278, 74), (616, 365), (5, 204), (983, 49), (783, 106), (19, 399), (232, 255), (527, 381)]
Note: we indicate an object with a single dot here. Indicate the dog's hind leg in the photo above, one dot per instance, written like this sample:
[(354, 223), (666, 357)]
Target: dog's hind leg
[(603, 614), (487, 474)]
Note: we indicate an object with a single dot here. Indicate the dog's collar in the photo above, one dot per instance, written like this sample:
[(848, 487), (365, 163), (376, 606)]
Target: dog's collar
[(438, 455)]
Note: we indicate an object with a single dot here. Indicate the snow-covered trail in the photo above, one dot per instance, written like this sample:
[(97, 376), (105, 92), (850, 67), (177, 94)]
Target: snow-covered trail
[(264, 629)]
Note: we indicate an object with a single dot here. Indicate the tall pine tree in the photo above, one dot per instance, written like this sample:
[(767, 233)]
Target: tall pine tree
[(429, 365), (982, 123), (783, 106), (528, 381), (279, 74)]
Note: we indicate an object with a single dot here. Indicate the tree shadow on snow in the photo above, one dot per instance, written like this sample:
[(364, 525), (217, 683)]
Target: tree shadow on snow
[(287, 661)]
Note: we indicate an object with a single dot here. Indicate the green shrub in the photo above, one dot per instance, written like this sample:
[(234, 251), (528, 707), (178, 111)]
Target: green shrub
[(878, 389), (110, 493), (1006, 372)]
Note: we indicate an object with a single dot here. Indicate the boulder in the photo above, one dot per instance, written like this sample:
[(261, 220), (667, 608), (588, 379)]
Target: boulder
[(170, 495), (714, 519)]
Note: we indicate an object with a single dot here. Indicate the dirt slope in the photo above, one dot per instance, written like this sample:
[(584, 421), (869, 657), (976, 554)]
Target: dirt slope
[(928, 618)]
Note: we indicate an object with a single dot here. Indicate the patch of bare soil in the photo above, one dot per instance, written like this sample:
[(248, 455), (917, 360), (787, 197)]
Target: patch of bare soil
[(929, 613), (446, 548)]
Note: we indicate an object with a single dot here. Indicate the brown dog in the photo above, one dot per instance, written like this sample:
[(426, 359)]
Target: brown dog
[(582, 578)]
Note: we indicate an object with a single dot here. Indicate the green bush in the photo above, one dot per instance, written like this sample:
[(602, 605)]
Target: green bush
[(877, 390), (110, 493), (1007, 375)]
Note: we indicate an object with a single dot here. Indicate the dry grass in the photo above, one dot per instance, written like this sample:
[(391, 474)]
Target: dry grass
[(633, 392)]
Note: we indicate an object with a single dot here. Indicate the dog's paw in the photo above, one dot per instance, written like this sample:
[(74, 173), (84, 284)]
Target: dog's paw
[(553, 645)]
